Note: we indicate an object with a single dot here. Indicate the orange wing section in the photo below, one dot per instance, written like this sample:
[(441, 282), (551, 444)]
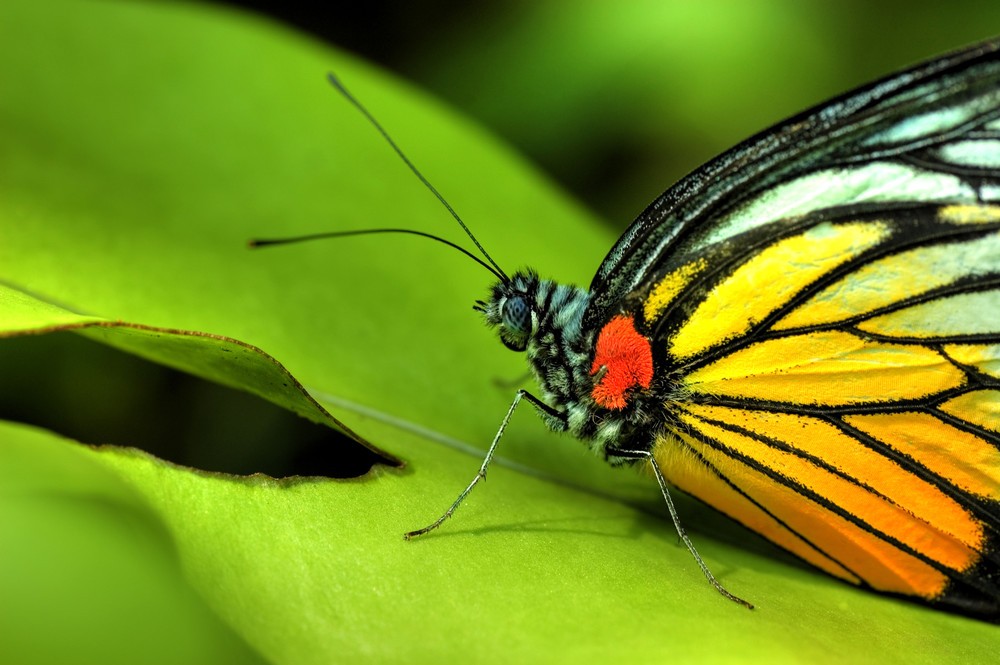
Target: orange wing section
[(805, 528), (824, 496)]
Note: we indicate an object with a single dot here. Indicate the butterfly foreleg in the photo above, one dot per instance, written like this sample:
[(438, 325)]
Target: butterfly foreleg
[(556, 419), (665, 490)]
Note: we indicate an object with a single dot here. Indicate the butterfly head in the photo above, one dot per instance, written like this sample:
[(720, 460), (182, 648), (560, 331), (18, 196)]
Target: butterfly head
[(513, 310)]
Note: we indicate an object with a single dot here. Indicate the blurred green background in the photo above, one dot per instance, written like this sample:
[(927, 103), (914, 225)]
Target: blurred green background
[(618, 100), (615, 101)]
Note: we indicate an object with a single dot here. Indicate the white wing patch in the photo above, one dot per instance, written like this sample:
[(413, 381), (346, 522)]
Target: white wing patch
[(983, 153), (877, 182)]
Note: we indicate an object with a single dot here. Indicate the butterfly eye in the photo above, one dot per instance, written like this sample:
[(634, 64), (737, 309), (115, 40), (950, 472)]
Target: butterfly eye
[(516, 316)]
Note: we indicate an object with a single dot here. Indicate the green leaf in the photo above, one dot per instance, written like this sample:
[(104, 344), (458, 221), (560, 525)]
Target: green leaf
[(223, 360), (88, 573), (312, 571), (142, 145)]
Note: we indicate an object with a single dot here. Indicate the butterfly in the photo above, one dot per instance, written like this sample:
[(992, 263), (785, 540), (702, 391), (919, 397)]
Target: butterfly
[(804, 333)]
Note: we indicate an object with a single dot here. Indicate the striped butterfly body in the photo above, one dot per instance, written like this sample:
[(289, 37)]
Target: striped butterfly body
[(805, 334)]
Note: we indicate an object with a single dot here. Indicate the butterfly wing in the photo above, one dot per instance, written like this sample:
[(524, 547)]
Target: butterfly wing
[(824, 305), (837, 389), (928, 134)]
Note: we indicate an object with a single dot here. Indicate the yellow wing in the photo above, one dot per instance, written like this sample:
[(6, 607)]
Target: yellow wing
[(836, 388)]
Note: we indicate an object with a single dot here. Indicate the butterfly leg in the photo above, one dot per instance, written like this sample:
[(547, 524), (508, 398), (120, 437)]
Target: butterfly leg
[(552, 415), (664, 489)]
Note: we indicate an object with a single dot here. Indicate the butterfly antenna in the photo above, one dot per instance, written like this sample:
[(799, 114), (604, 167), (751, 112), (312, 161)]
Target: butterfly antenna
[(335, 82), (271, 242)]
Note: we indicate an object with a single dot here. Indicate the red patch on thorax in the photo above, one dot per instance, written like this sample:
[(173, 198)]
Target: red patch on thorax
[(628, 357)]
